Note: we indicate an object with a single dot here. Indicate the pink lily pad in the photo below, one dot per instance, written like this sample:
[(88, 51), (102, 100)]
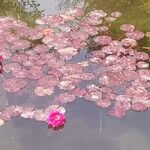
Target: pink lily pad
[(128, 75), (19, 58), (139, 106), (51, 108), (117, 112), (41, 61), (103, 40), (103, 29), (39, 115), (127, 28), (27, 112), (5, 117), (67, 52), (116, 14), (20, 74), (55, 73), (65, 98), (71, 69), (34, 73), (66, 85), (141, 56), (98, 14), (55, 63), (110, 96), (14, 67), (78, 92), (104, 103), (20, 45), (128, 42), (137, 93), (125, 104), (110, 19), (144, 74), (40, 91), (142, 65), (137, 35), (18, 110), (61, 110), (41, 49), (93, 96), (91, 30), (14, 84), (87, 76), (34, 57), (28, 63), (48, 81)]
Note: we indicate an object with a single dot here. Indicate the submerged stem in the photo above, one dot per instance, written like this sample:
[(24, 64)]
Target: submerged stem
[(101, 122), (146, 48), (120, 37)]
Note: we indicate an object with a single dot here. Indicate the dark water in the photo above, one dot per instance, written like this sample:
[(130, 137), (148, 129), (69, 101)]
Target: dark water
[(88, 127)]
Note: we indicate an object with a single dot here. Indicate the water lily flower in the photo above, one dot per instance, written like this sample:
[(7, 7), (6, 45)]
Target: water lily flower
[(56, 117)]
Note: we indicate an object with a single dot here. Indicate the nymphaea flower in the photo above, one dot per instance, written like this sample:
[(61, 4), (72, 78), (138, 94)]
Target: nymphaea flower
[(56, 118)]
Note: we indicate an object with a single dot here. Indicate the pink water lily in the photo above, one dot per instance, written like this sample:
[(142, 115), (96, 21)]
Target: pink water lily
[(56, 119), (56, 116)]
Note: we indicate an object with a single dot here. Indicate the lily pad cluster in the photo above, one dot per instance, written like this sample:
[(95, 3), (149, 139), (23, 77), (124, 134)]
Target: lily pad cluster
[(54, 115), (55, 56)]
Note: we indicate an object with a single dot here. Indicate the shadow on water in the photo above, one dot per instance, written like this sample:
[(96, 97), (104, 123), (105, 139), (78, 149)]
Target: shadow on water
[(88, 127)]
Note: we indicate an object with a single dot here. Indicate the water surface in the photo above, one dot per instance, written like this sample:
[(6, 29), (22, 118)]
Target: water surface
[(88, 127)]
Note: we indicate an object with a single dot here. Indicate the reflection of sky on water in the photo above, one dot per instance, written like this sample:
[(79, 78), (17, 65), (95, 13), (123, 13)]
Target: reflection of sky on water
[(80, 133), (57, 6), (49, 6)]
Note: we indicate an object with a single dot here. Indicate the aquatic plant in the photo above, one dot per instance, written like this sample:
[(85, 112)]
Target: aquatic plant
[(56, 119), (69, 45)]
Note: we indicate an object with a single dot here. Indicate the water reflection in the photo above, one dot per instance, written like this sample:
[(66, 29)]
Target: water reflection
[(26, 10), (81, 132), (134, 12)]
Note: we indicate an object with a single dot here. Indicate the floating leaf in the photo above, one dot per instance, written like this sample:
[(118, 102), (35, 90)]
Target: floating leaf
[(1, 122), (137, 35), (139, 106), (127, 28), (14, 84)]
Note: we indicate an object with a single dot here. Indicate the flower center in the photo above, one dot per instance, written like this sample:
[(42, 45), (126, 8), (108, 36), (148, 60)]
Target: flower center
[(57, 117)]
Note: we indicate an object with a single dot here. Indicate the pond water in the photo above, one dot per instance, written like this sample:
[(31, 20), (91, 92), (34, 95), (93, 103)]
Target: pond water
[(88, 126)]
